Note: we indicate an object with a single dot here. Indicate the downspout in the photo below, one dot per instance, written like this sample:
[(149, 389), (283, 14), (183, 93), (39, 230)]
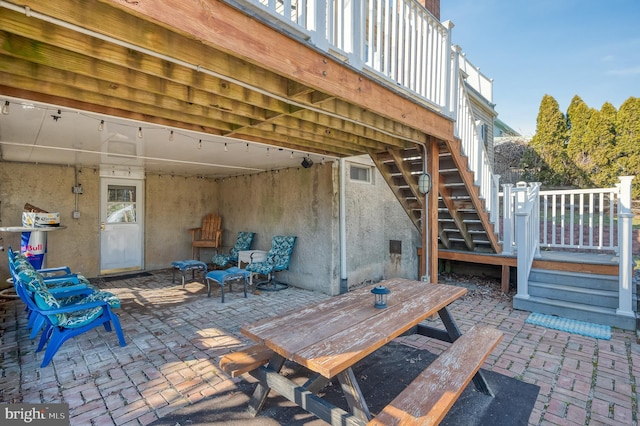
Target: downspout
[(344, 287)]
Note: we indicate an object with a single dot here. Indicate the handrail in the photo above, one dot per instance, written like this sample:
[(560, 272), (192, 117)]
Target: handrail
[(582, 219), (473, 147), (522, 215), (398, 41), (527, 208)]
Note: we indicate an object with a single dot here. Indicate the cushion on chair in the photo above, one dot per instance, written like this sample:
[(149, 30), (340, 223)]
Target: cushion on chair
[(278, 257), (32, 280), (220, 275), (45, 301), (189, 264), (243, 242), (105, 296), (221, 259)]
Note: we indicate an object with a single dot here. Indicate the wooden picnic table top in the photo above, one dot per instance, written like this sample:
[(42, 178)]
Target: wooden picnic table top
[(333, 335)]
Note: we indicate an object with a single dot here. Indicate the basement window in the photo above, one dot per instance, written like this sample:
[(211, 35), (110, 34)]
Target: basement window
[(360, 173)]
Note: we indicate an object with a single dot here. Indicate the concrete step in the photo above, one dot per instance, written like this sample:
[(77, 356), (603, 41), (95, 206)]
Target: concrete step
[(572, 293), (576, 311), (576, 279)]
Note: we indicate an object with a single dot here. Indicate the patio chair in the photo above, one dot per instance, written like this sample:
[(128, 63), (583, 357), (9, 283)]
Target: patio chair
[(63, 322), (278, 259), (243, 242), (209, 235), (28, 282), (66, 287)]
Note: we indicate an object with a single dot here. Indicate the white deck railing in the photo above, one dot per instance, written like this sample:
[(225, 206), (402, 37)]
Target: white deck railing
[(527, 217), (395, 40), (472, 146), (580, 219), (587, 219)]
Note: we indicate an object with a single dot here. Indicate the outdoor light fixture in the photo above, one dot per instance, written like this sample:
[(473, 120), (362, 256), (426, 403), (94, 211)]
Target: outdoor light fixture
[(424, 183), (101, 126), (307, 162), (380, 292), (139, 132), (5, 108)]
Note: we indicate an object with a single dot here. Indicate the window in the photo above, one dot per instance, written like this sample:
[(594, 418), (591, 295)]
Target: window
[(359, 173), (121, 204)]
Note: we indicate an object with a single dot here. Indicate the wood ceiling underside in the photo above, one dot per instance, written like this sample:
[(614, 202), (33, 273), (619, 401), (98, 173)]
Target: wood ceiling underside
[(277, 91)]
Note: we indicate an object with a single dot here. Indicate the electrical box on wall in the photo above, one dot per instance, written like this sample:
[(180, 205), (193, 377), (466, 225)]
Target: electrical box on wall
[(76, 214), (77, 189)]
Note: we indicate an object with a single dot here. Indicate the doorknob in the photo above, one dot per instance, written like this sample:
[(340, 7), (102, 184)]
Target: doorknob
[(102, 226)]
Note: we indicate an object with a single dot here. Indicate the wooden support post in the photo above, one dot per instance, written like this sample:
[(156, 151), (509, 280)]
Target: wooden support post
[(433, 164)]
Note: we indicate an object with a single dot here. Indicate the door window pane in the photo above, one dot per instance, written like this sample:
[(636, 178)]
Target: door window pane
[(121, 204)]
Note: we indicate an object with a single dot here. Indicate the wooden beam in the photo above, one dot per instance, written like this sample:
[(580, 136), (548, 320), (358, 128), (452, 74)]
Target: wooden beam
[(399, 196), (226, 29)]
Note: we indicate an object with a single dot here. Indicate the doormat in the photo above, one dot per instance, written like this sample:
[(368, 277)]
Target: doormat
[(589, 329), (126, 276)]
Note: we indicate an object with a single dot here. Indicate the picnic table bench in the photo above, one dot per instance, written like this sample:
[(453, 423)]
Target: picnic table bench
[(345, 330)]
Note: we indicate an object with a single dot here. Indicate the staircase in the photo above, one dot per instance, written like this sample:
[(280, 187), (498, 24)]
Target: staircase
[(581, 296), (585, 291), (463, 221)]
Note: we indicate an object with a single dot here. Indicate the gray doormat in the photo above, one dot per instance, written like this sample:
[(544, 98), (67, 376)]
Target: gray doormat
[(108, 278), (511, 406)]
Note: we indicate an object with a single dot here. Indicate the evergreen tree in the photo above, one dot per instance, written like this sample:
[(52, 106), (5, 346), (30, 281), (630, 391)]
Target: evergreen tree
[(546, 159), (600, 139), (578, 115), (628, 142)]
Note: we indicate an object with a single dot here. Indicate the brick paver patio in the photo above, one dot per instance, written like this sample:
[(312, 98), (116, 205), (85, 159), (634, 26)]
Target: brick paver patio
[(175, 337)]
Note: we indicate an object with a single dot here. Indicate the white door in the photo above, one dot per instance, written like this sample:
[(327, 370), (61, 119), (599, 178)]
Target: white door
[(121, 225)]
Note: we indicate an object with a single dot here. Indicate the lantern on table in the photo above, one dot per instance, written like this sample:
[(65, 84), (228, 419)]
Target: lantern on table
[(380, 292)]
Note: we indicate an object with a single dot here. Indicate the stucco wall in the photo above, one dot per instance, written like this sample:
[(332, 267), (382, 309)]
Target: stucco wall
[(300, 202), (49, 187), (374, 218), (173, 205)]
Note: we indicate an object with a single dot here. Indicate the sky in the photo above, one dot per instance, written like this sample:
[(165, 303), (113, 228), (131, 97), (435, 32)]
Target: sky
[(561, 48)]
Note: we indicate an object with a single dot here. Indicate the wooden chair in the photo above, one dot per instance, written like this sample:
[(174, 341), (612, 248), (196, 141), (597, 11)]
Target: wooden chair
[(209, 235)]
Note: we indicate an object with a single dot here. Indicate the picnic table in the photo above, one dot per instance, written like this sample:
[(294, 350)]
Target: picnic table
[(329, 338)]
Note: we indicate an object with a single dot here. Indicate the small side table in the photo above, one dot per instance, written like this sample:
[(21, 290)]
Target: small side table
[(35, 253), (250, 256)]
